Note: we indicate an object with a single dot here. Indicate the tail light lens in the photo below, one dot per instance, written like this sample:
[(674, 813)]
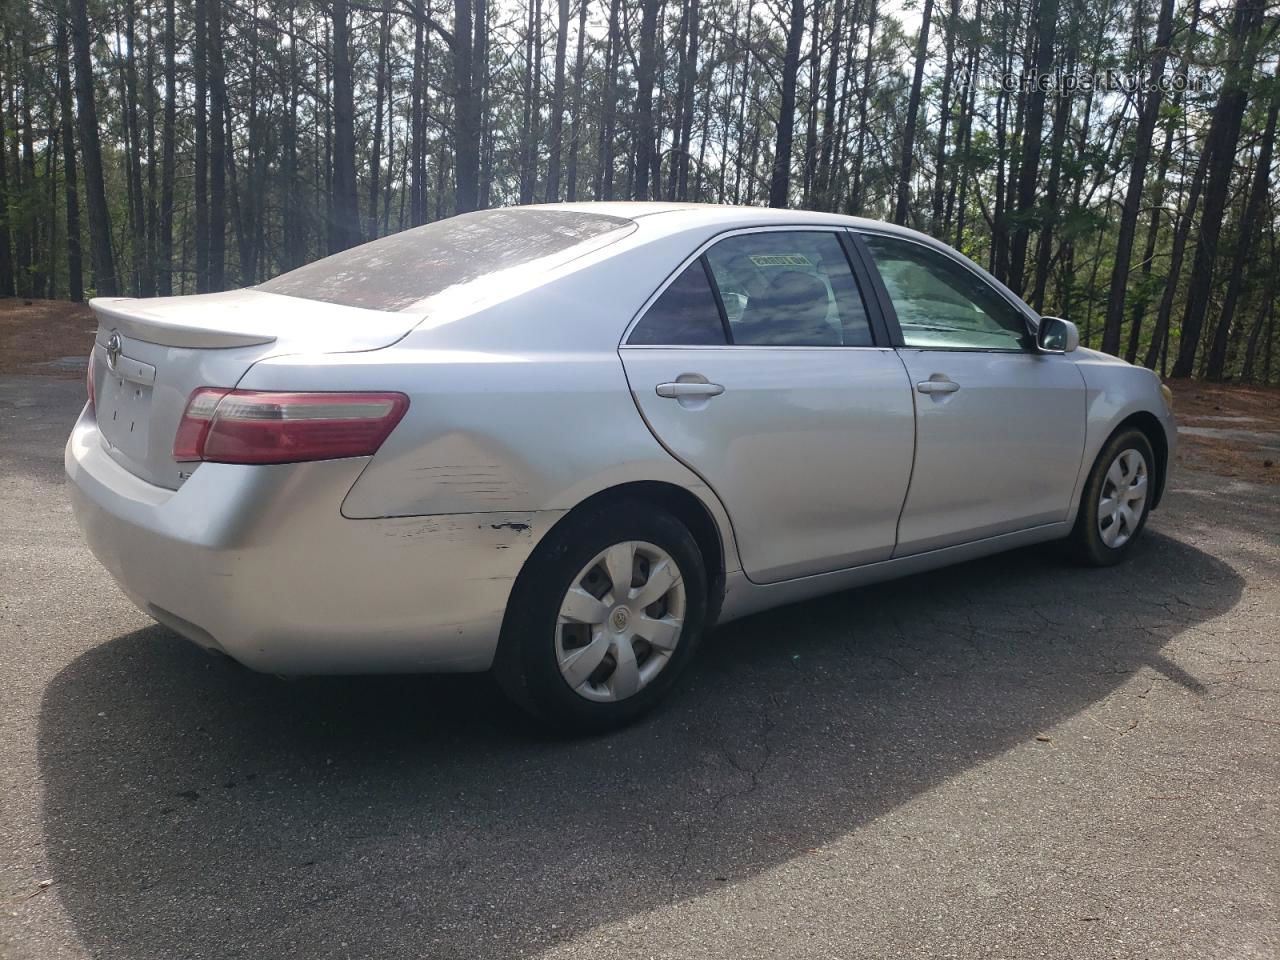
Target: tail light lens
[(251, 426), (193, 428)]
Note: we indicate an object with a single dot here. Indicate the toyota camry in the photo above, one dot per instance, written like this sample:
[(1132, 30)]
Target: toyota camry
[(562, 442)]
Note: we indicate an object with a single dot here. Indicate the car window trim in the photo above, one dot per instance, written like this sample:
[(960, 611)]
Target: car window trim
[(867, 278), (879, 329), (715, 292), (891, 314)]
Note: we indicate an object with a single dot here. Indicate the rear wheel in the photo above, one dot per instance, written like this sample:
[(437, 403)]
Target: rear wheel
[(1116, 500), (605, 618)]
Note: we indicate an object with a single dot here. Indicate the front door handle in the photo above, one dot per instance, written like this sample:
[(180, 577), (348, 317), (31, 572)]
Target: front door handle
[(941, 385), (682, 389)]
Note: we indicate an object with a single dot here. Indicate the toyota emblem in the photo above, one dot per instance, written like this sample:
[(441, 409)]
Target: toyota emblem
[(114, 348)]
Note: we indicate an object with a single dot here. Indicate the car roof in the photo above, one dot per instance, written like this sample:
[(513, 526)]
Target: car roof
[(648, 213)]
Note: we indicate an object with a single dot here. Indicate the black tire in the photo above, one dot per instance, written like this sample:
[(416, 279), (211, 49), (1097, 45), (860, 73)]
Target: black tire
[(1086, 541), (526, 665)]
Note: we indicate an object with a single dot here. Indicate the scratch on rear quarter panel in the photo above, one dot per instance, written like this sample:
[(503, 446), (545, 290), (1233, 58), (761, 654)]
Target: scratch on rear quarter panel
[(499, 531)]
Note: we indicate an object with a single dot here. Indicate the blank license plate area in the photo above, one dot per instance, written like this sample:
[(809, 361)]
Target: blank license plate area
[(124, 410)]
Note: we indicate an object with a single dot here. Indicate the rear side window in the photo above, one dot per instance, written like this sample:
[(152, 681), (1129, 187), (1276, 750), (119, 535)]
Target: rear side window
[(789, 289), (686, 313), (396, 272)]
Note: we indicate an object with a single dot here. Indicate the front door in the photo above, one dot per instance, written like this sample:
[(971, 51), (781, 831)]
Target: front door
[(758, 369), (1000, 429)]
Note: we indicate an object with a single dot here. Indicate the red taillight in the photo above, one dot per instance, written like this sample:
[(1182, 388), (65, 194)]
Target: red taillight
[(88, 381), (250, 426), (194, 425)]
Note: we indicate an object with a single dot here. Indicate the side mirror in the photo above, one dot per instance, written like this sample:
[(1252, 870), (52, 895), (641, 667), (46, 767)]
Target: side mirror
[(1055, 335)]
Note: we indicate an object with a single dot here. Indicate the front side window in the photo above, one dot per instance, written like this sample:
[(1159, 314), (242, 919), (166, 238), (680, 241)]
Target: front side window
[(941, 304), (789, 289)]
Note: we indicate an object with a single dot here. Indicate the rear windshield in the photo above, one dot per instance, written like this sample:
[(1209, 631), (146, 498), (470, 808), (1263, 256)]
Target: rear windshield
[(398, 271)]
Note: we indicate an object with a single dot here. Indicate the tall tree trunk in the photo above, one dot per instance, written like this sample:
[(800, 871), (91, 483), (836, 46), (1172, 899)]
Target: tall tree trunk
[(824, 198), (557, 102), (780, 180), (811, 114), (1250, 226), (153, 196), (688, 88), (375, 153), (944, 116), (75, 258), (998, 262), (49, 266), (137, 208), (470, 63), (217, 152), (294, 243), (7, 288), (200, 81), (344, 226), (241, 221), (604, 181), (646, 66), (704, 134), (531, 126), (1145, 285), (838, 180), (742, 109), (1264, 318), (30, 281), (1182, 231), (1057, 140), (1029, 163), (104, 271), (483, 82), (957, 197), (1137, 178), (864, 106), (579, 107), (417, 127), (902, 206), (1220, 149)]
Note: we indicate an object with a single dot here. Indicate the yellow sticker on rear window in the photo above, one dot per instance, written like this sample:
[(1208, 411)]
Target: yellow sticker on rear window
[(781, 260)]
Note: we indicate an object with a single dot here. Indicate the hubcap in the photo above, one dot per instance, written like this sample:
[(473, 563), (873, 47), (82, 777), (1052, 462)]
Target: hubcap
[(620, 621), (1124, 495)]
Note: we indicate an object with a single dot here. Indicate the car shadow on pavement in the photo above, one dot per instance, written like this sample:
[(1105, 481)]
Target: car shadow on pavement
[(196, 809)]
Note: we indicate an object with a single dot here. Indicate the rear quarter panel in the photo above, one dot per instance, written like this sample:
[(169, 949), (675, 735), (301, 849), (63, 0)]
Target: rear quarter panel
[(521, 405)]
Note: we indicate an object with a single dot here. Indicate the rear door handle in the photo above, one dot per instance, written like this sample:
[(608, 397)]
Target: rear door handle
[(937, 386), (681, 389)]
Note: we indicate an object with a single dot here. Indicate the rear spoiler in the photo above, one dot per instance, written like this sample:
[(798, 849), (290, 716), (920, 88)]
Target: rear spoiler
[(149, 321)]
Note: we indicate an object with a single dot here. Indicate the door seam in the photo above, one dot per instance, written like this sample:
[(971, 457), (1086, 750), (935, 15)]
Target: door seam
[(915, 446)]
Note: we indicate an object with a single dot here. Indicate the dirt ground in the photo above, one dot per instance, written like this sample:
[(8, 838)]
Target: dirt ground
[(1234, 429), (36, 335)]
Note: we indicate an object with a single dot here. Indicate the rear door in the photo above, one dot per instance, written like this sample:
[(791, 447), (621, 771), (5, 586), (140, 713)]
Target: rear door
[(760, 367), (999, 427)]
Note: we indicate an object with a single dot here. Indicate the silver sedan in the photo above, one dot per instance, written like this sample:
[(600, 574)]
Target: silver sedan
[(562, 442)]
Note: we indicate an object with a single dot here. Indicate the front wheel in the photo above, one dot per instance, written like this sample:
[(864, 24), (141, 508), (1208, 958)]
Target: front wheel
[(1116, 500), (604, 619)]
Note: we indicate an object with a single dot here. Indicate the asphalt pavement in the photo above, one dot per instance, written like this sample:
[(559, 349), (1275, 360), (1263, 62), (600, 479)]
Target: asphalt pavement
[(1011, 758)]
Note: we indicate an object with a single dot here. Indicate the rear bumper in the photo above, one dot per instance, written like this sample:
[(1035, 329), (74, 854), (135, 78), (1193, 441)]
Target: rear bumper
[(259, 563)]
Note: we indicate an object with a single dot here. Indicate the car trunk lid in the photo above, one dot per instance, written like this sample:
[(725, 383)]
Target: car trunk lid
[(151, 354)]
